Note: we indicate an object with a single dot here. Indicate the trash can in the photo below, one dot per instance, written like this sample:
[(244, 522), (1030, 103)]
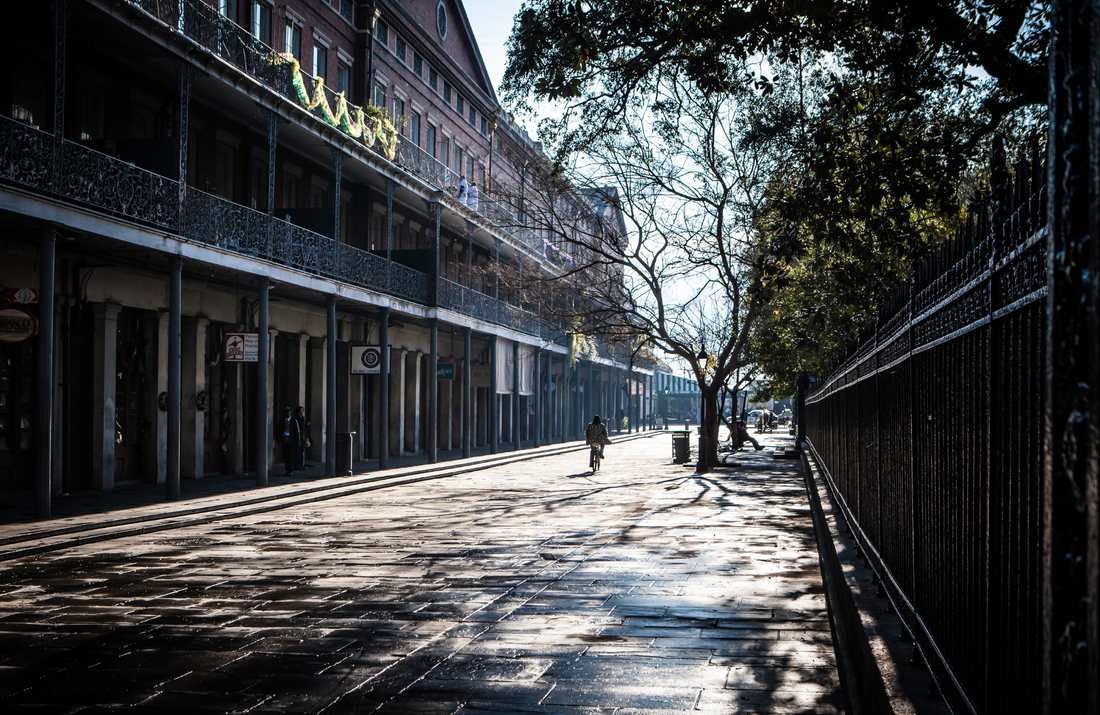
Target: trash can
[(344, 441), (681, 447)]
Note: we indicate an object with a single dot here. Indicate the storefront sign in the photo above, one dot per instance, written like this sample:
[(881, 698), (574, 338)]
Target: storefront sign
[(480, 375), (445, 371), (21, 296), (242, 347), (17, 326), (367, 359)]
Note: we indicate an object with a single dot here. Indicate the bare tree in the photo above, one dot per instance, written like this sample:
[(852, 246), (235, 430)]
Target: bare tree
[(661, 234)]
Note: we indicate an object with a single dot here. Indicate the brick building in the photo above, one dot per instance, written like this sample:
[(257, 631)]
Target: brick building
[(176, 174)]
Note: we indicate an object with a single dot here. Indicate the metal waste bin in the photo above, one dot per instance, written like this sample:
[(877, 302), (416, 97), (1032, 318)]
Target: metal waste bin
[(344, 441), (681, 447)]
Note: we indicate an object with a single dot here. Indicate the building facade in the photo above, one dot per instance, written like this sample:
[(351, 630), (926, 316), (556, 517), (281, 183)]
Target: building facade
[(179, 176)]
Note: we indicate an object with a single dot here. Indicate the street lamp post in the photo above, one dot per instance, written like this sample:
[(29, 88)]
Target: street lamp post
[(702, 466)]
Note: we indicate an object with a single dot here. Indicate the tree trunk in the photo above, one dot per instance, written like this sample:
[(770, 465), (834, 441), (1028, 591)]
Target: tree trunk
[(709, 422)]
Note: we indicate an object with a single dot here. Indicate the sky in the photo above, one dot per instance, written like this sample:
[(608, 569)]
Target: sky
[(491, 21)]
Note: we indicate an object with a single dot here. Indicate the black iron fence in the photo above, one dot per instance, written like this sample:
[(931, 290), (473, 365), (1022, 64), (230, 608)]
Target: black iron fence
[(930, 431)]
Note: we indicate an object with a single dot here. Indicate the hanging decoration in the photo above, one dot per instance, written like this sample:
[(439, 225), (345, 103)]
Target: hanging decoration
[(368, 124)]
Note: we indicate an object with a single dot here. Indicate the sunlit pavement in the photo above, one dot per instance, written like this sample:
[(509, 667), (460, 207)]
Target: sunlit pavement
[(527, 588)]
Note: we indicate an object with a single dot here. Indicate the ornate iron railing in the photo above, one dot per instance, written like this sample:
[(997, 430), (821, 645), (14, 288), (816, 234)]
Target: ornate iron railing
[(930, 432), (26, 155), (107, 184), (221, 36)]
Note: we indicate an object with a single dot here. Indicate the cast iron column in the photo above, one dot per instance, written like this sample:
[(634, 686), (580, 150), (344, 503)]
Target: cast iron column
[(515, 395), (491, 403), (467, 414), (263, 417), (384, 390), (330, 391), (433, 391), (536, 428), (1071, 519), (44, 393), (175, 371)]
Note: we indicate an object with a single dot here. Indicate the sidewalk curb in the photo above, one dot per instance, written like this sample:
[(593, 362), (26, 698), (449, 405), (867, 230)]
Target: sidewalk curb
[(191, 513), (864, 689)]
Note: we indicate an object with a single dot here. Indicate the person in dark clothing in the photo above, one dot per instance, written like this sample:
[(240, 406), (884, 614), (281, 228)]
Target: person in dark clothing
[(292, 440), (304, 442)]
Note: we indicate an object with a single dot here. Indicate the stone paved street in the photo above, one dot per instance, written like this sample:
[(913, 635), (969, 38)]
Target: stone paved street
[(526, 588)]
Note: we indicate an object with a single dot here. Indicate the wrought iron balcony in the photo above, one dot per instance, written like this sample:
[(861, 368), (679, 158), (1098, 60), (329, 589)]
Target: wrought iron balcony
[(222, 37), (30, 160)]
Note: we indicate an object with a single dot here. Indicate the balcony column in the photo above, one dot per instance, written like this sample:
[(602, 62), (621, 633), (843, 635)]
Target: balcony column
[(435, 215), (398, 403), (330, 391), (470, 227), (414, 381), (384, 390), (61, 12), (44, 389), (536, 426), (274, 121), (174, 368), (467, 417), (193, 378), (338, 171), (105, 379), (263, 415), (186, 76), (389, 227), (491, 403), (433, 388), (516, 433)]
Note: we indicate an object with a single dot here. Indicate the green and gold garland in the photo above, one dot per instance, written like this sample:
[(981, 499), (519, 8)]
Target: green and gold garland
[(368, 125)]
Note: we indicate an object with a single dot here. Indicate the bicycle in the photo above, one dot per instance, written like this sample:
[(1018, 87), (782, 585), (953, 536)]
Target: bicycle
[(594, 459)]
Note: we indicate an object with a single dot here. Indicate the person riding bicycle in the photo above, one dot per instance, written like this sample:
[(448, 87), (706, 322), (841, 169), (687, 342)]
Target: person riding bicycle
[(595, 434)]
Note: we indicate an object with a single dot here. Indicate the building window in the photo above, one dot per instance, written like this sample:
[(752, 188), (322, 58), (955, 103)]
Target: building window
[(414, 128), (347, 10), (223, 171), (259, 186), (473, 117), (294, 39), (470, 167), (382, 33), (398, 113), (484, 127), (379, 95), (320, 61), (429, 140), (318, 194), (445, 151), (447, 93), (343, 77), (291, 189), (399, 49), (261, 22), (418, 65), (460, 105), (433, 79), (91, 113), (458, 160), (141, 122), (28, 94), (228, 8)]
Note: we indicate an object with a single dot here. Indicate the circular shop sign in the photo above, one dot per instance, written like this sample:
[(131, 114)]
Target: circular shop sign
[(17, 326), (371, 357)]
